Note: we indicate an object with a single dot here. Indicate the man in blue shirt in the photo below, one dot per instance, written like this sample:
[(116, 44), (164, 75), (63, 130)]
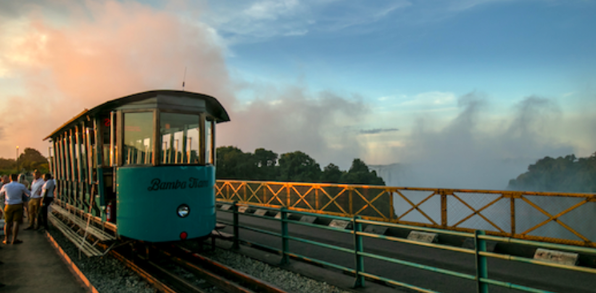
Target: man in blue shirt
[(13, 193)]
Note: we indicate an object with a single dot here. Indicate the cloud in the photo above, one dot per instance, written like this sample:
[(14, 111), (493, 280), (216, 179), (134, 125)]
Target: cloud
[(461, 5), (474, 149), (254, 21), (377, 130), (111, 49), (430, 100), (270, 10), (108, 49), (316, 123)]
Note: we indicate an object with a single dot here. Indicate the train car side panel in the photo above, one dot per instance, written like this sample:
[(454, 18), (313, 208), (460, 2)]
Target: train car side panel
[(151, 202)]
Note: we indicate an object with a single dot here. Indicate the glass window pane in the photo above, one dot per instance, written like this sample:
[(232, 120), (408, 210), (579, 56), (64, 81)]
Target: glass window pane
[(138, 138), (179, 138), (208, 146)]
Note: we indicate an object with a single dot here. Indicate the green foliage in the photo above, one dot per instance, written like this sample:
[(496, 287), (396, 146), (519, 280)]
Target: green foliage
[(331, 174), (32, 159), (28, 161), (563, 174), (232, 163), (7, 166), (298, 167), (266, 162), (359, 174), (264, 165)]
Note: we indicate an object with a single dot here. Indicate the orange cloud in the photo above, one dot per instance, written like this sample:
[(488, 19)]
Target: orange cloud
[(56, 62)]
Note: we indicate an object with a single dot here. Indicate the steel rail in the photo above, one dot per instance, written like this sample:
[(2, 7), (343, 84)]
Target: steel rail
[(397, 283), (144, 274), (432, 230), (541, 244), (297, 256), (208, 276), (230, 272), (180, 282)]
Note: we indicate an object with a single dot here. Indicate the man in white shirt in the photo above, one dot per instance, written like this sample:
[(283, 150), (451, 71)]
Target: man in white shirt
[(13, 208), (47, 194), (35, 201)]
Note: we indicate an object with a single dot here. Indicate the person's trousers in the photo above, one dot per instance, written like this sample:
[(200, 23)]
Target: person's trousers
[(43, 220), (33, 210)]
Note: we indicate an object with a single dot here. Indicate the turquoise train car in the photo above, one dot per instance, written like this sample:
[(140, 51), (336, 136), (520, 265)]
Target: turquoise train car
[(142, 165)]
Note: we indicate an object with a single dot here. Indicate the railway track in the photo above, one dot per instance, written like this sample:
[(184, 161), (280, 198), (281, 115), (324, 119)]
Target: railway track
[(174, 268)]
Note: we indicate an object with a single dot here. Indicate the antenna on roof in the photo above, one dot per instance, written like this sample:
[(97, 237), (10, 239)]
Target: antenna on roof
[(184, 78)]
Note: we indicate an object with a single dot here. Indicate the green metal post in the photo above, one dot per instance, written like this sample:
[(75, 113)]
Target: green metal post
[(481, 262), (358, 247), (285, 259), (236, 235)]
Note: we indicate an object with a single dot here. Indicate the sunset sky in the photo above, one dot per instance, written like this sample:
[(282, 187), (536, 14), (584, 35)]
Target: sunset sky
[(466, 92)]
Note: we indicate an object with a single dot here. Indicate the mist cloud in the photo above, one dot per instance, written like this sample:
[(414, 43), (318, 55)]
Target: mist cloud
[(318, 124), (476, 150)]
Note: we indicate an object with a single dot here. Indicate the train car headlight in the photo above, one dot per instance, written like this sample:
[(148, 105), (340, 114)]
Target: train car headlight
[(183, 211)]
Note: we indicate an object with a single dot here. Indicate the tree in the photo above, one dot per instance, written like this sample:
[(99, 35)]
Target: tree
[(232, 163), (7, 166), (32, 159), (331, 174), (298, 167), (360, 174), (564, 174), (266, 161)]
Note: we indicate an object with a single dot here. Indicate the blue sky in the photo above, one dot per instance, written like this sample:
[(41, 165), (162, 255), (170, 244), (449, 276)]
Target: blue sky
[(421, 83), (506, 48)]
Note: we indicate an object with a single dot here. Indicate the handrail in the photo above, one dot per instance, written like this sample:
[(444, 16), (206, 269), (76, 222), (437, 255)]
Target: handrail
[(480, 251), (503, 213)]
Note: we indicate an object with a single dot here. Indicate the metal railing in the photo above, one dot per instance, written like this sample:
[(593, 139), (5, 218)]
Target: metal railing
[(480, 251), (541, 216)]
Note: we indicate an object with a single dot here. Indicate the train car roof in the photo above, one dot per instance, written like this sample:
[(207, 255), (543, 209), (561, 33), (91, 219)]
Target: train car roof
[(212, 105)]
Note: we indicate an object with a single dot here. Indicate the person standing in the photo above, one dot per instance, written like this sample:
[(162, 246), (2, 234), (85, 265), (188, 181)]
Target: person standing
[(47, 197), (4, 181), (23, 180), (35, 201), (13, 200)]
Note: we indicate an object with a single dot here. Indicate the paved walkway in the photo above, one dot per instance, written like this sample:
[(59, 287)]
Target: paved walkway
[(35, 266)]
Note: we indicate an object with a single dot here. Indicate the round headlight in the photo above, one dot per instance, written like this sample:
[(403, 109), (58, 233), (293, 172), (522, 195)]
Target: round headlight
[(183, 211)]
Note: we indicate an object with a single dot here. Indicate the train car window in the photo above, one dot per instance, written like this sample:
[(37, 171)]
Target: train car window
[(138, 138), (179, 138), (105, 128), (208, 144)]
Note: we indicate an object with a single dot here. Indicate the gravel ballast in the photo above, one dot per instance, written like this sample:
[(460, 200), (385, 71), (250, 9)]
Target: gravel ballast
[(284, 279), (107, 274)]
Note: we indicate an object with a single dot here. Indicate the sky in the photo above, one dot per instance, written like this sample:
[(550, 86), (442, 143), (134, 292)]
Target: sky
[(456, 93)]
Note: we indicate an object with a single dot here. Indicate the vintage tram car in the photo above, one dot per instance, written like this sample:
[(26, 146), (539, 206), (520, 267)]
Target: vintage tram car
[(142, 165)]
